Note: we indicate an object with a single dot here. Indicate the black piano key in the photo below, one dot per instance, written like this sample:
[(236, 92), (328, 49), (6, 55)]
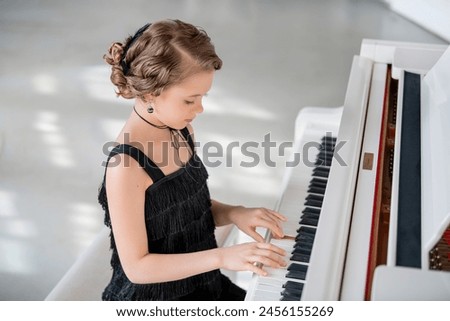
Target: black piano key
[(322, 169), (302, 248), (318, 182), (328, 157), (297, 271), (306, 238), (292, 292), (323, 162), (310, 215), (289, 298), (316, 190), (311, 210), (302, 245), (305, 249), (309, 238), (328, 144), (318, 173), (309, 221), (315, 203), (325, 154), (328, 138), (296, 275), (298, 257), (288, 295), (293, 286), (327, 150), (314, 197), (306, 230), (297, 267), (313, 216), (301, 251)]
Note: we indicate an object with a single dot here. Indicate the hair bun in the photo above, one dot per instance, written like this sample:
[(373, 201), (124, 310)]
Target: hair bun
[(115, 53)]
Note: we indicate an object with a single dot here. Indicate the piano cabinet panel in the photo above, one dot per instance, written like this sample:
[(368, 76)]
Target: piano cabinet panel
[(394, 283), (368, 230)]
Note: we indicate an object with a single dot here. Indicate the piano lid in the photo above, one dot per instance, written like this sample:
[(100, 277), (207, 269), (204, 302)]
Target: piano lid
[(418, 61), (435, 125)]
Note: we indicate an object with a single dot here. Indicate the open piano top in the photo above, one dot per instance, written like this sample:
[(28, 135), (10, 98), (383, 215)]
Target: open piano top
[(378, 225)]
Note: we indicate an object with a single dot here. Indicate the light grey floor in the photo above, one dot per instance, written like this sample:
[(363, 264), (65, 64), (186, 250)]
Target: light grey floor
[(57, 108)]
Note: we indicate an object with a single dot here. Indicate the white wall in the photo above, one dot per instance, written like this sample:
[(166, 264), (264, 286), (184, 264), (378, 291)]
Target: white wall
[(433, 15)]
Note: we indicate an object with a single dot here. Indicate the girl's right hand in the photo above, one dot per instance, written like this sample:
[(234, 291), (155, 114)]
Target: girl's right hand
[(242, 257)]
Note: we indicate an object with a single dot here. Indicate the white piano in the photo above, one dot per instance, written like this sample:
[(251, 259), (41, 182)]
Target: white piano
[(369, 203)]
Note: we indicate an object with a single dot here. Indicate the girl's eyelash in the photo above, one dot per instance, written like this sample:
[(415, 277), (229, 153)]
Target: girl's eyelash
[(188, 102)]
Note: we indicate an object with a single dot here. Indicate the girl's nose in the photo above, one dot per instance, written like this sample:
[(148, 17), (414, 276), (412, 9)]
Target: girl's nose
[(200, 108)]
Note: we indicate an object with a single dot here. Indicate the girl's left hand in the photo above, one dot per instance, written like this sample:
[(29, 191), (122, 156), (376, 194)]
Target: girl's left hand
[(248, 219)]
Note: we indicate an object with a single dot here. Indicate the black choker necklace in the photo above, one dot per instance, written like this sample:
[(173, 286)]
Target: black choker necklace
[(174, 134), (156, 126)]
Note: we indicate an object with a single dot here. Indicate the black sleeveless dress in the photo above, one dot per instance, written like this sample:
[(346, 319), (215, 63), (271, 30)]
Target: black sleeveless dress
[(178, 219)]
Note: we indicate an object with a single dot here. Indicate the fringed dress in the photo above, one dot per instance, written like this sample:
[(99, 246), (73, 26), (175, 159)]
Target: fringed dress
[(178, 219)]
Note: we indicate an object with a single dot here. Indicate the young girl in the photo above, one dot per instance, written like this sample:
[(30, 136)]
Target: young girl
[(154, 192)]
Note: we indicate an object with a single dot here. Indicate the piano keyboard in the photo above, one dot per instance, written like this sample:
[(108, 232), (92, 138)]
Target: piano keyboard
[(287, 284)]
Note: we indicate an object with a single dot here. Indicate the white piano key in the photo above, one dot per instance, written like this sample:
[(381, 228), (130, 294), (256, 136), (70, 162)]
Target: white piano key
[(269, 287)]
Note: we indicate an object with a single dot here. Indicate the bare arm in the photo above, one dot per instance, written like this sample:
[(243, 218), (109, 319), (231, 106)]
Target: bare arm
[(248, 219), (126, 187), (221, 212)]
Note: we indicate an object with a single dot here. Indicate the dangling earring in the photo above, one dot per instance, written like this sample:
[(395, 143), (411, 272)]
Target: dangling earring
[(150, 109)]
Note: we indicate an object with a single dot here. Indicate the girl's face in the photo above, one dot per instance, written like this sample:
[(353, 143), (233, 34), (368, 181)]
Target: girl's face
[(179, 104)]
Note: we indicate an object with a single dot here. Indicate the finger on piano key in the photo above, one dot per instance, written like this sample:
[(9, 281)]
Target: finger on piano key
[(289, 228), (285, 244), (276, 286), (288, 237)]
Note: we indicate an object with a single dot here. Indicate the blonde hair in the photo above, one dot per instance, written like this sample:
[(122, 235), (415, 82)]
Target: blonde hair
[(160, 55)]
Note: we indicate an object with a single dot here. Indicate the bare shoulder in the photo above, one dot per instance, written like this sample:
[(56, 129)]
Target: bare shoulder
[(124, 173)]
